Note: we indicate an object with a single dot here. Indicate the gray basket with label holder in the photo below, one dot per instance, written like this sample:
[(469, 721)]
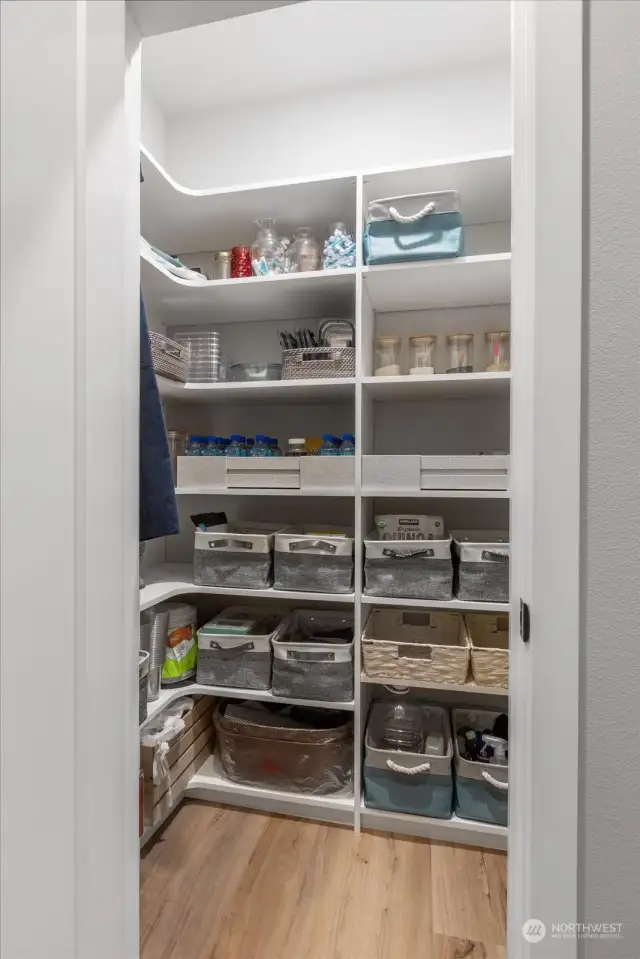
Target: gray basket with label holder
[(234, 648), (481, 789), (408, 569), (482, 565), (313, 656), (314, 559), (235, 554)]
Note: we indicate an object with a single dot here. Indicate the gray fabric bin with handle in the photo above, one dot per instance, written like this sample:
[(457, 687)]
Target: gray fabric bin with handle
[(313, 656), (314, 560), (234, 648), (408, 569), (235, 554), (482, 789), (482, 565)]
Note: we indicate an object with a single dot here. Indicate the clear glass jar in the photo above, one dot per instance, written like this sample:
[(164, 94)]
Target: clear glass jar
[(265, 244), (422, 352), (388, 355), (222, 265), (305, 250), (498, 351), (460, 353)]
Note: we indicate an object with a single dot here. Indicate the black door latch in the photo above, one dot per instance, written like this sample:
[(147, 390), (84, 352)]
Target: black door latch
[(525, 621)]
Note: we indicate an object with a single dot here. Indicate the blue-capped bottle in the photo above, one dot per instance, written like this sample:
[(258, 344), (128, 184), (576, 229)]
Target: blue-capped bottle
[(348, 445), (260, 448), (196, 445), (274, 447), (237, 445), (328, 447)]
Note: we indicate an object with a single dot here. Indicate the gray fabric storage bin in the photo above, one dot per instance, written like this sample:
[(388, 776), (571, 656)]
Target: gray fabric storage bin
[(419, 783), (313, 656), (314, 560), (482, 565), (407, 569), (481, 789), (229, 657), (236, 555)]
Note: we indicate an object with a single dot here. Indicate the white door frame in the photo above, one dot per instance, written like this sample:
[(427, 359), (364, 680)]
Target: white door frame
[(69, 699), (547, 307)]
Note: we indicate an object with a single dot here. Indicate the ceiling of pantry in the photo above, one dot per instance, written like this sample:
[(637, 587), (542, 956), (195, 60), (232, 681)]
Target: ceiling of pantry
[(305, 46)]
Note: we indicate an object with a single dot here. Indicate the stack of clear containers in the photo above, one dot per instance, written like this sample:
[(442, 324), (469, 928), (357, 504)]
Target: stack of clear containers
[(204, 363)]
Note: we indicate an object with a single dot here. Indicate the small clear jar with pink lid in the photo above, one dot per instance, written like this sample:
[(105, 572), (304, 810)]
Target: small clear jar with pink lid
[(498, 351)]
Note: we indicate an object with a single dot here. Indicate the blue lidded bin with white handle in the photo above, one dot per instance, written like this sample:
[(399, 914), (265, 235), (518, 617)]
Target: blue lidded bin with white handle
[(407, 760), (420, 226), (481, 788)]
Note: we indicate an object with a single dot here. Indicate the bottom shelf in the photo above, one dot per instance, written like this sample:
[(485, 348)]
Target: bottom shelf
[(211, 784), (456, 830)]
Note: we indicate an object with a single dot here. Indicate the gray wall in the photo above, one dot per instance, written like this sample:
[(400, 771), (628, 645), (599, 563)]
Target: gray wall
[(610, 694)]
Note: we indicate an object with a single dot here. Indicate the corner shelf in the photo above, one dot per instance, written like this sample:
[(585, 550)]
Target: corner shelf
[(259, 491), (176, 579), (280, 392)]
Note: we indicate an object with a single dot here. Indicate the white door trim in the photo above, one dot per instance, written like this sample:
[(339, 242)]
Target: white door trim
[(546, 459)]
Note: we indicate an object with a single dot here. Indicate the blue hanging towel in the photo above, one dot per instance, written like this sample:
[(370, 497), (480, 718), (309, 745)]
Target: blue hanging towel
[(158, 510)]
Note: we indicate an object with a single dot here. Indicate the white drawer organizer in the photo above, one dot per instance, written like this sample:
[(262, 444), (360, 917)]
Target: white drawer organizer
[(482, 472), (313, 473), (415, 418)]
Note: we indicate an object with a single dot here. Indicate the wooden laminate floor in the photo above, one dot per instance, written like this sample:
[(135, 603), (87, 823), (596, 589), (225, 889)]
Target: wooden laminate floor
[(221, 883)]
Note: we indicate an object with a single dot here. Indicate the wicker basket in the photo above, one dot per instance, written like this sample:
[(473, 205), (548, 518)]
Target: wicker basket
[(170, 359), (402, 644), (318, 363), (489, 637)]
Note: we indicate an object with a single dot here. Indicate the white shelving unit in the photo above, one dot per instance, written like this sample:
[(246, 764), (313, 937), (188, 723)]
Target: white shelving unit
[(394, 415)]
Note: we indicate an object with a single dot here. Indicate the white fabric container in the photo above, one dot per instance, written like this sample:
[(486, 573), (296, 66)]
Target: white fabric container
[(407, 569), (314, 559), (313, 656), (235, 554), (482, 565), (234, 648)]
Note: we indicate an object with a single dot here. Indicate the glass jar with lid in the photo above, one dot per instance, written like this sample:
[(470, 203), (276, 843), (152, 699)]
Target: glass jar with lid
[(460, 353), (498, 351), (222, 265), (265, 244), (422, 351), (305, 250), (388, 355), (297, 447)]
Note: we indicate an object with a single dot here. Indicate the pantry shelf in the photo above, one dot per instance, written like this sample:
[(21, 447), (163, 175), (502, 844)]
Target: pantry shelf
[(184, 220), (464, 688), (171, 693), (482, 280), (291, 296), (456, 830), (456, 605), (276, 392), (176, 579), (211, 784), (436, 493), (437, 386), (251, 491)]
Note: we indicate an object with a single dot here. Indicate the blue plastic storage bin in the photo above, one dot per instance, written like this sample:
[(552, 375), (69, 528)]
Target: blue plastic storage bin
[(423, 226), (481, 789), (392, 783)]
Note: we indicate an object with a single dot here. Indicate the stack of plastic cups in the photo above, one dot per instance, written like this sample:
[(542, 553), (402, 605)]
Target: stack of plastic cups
[(204, 362), (157, 650)]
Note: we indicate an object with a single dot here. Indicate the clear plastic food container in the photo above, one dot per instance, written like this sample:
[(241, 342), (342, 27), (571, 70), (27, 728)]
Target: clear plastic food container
[(498, 351), (388, 355), (422, 350), (460, 353)]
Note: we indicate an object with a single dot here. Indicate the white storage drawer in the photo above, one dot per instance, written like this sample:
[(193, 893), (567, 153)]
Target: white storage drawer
[(327, 472), (201, 471), (391, 472), (263, 472), (465, 472)]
